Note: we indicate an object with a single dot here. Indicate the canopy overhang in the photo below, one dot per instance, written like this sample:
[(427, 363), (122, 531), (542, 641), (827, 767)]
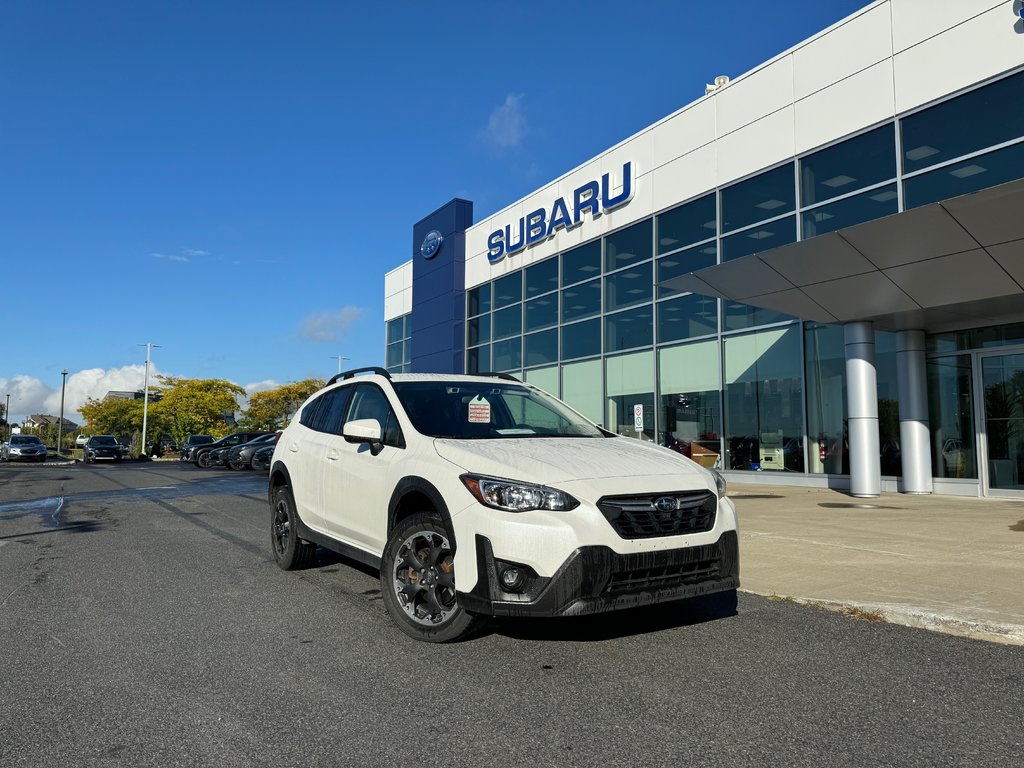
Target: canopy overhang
[(947, 266)]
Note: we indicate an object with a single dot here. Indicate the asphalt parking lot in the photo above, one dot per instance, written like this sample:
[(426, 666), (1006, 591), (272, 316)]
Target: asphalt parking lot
[(144, 623)]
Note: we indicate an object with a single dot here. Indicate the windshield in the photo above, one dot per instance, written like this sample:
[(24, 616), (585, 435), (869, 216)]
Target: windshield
[(200, 439), (484, 410), (103, 440), (24, 440)]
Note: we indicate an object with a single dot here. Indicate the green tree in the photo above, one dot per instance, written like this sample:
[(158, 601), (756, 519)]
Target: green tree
[(272, 409), (112, 416), (194, 406)]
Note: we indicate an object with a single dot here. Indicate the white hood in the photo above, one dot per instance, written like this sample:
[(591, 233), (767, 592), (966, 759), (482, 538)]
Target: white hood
[(556, 460)]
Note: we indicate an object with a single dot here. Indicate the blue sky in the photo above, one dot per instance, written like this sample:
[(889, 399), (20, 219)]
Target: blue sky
[(231, 180)]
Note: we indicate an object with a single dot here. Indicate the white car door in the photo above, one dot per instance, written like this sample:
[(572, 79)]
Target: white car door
[(357, 484)]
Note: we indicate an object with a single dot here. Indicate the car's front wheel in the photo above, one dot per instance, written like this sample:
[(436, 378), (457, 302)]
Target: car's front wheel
[(204, 460), (418, 582), (290, 552)]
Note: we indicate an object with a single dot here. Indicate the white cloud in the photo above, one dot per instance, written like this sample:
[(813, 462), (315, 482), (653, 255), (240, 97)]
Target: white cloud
[(169, 256), (29, 395), (507, 124), (329, 326)]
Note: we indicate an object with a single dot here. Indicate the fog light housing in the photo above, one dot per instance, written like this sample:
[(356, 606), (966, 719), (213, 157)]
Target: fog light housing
[(512, 578)]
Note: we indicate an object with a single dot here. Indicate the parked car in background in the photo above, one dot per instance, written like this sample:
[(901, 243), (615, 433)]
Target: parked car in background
[(202, 456), (193, 442), (24, 448), (103, 448), (80, 441), (262, 458), (240, 457)]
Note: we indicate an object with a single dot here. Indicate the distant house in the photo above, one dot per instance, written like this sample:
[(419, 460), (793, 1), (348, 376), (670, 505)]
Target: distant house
[(39, 420)]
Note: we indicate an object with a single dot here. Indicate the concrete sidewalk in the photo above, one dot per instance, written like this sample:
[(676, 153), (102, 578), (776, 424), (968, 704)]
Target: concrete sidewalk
[(941, 562)]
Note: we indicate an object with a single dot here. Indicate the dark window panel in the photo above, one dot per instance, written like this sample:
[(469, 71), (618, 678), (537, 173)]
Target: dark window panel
[(968, 176), (542, 348), (737, 316), (581, 263), (853, 164), (762, 197), (581, 339), (478, 359), (758, 239), (628, 246), (581, 301), (542, 312), (628, 287), (687, 317), (479, 300), (687, 224), (853, 210), (542, 277), (508, 289), (478, 330), (982, 118), (682, 263), (508, 354), (629, 329), (508, 322)]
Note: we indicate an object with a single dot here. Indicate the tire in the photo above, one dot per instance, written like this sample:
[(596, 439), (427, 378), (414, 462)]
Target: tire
[(236, 465), (290, 552), (203, 460), (418, 582)]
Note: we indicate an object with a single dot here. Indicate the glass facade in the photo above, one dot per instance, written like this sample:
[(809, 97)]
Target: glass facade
[(398, 353), (736, 386)]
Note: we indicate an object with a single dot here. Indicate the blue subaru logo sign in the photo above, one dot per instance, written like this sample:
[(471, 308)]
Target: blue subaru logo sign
[(665, 504), (431, 244)]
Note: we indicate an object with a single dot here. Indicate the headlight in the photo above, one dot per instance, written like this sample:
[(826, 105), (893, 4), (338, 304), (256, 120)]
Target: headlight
[(513, 496), (720, 482)]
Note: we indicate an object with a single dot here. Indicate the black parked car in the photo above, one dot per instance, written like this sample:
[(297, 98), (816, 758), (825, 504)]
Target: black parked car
[(203, 455), (193, 442), (240, 457), (103, 448), (262, 458)]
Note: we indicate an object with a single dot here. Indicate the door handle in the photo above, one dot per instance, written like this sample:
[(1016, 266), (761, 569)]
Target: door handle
[(333, 456), (293, 447)]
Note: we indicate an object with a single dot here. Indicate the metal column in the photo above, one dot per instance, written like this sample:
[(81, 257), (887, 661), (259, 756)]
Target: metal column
[(915, 435), (862, 407)]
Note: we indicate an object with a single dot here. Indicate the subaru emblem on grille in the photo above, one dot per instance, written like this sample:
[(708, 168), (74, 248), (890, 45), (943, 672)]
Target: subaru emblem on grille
[(665, 504)]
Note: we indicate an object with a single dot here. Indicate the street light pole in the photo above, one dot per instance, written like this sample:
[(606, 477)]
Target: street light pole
[(339, 358), (145, 396), (60, 425), (7, 415)]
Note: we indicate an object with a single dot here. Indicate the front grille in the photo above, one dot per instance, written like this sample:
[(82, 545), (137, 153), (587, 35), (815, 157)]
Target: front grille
[(636, 517), (654, 579)]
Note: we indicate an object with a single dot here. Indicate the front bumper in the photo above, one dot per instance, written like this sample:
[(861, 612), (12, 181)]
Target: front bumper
[(596, 579), (40, 456)]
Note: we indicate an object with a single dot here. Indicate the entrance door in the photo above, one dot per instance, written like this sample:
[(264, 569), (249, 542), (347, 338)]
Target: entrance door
[(1002, 388)]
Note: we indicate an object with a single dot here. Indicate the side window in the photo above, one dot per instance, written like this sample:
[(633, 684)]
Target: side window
[(324, 413), (368, 402)]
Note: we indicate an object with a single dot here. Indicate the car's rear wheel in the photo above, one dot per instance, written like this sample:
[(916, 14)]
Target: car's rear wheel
[(418, 582), (290, 552)]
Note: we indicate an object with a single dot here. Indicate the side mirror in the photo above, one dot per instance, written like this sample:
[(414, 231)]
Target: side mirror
[(364, 431)]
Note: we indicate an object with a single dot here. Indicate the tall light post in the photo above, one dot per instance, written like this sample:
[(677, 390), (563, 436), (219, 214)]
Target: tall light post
[(145, 395), (7, 415), (60, 424), (339, 358)]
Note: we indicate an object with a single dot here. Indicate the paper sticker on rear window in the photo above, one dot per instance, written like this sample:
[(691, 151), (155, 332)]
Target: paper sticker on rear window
[(479, 411)]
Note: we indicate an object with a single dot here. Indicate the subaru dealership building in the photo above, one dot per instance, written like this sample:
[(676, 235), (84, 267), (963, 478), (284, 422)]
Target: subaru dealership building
[(811, 275)]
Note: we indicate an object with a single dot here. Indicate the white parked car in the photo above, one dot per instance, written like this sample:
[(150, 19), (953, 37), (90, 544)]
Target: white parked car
[(482, 496), (80, 441)]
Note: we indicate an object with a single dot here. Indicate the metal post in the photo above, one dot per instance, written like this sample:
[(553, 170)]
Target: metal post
[(915, 436), (145, 397), (339, 358), (862, 407), (7, 415), (60, 425)]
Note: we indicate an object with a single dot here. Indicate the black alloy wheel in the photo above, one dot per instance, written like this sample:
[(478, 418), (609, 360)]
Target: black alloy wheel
[(290, 552)]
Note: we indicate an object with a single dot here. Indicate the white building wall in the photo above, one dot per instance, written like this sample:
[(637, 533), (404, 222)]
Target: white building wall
[(398, 292), (891, 57)]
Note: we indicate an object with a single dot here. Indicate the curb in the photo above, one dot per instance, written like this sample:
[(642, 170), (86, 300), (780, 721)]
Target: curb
[(919, 618)]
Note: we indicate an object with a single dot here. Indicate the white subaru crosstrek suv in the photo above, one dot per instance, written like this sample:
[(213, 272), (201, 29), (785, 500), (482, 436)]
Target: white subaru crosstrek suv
[(481, 496)]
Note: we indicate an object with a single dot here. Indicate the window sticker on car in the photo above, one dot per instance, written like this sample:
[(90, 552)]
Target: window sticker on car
[(479, 411)]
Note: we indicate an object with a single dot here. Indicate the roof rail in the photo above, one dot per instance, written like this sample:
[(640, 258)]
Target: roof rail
[(351, 374), (496, 375)]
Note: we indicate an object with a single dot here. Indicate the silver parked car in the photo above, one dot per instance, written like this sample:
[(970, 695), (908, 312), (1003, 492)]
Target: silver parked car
[(24, 448)]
